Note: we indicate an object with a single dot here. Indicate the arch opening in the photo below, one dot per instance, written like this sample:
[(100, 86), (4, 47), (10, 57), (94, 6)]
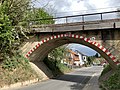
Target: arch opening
[(41, 50)]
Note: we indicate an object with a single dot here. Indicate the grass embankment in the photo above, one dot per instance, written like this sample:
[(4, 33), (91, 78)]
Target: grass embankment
[(56, 67), (16, 69), (113, 82)]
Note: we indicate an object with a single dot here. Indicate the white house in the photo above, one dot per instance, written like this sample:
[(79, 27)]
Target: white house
[(82, 57)]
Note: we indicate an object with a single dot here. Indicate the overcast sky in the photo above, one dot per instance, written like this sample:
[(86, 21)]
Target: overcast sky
[(73, 7), (63, 7)]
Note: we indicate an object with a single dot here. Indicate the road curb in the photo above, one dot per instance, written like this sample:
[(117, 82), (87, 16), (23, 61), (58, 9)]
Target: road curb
[(19, 84)]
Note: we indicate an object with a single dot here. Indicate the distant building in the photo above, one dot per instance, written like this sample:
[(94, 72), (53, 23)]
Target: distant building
[(82, 57), (75, 58)]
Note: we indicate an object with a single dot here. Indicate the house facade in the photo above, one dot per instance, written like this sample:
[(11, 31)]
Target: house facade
[(82, 57), (75, 58)]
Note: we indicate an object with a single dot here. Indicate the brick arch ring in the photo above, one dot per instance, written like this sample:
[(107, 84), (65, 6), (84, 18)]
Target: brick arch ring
[(113, 58)]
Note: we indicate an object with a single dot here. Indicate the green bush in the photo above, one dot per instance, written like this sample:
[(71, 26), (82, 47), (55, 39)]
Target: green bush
[(14, 62), (106, 69), (113, 83), (56, 67), (63, 68), (16, 69)]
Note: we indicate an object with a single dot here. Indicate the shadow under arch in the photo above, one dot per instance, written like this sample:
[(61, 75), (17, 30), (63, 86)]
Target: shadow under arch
[(41, 50)]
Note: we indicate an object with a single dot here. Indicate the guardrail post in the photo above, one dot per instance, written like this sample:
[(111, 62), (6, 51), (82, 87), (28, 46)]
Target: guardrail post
[(83, 21), (83, 18), (101, 16), (114, 25), (66, 20)]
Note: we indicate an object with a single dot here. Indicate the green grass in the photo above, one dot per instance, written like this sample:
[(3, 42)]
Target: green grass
[(113, 82), (106, 69), (16, 69)]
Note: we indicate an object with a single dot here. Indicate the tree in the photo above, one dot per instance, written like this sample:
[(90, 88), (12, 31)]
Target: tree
[(12, 13), (90, 60), (96, 55), (58, 53), (39, 16), (6, 31), (16, 9)]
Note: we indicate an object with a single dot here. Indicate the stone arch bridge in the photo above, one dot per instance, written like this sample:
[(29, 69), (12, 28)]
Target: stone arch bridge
[(101, 35)]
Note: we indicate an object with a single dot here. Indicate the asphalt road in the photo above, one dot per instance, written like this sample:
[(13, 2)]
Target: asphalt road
[(77, 80)]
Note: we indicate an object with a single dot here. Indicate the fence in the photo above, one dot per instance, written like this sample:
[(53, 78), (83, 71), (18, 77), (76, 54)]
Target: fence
[(77, 18)]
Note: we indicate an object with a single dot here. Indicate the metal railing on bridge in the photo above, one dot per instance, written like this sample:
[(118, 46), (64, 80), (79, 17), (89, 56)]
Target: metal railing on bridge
[(77, 18)]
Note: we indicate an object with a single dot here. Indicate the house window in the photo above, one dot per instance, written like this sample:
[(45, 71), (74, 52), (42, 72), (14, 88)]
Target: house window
[(74, 63), (84, 58)]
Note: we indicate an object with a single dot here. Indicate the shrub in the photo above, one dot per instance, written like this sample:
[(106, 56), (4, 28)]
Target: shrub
[(106, 69), (14, 62), (56, 67), (113, 83), (63, 68), (16, 69)]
